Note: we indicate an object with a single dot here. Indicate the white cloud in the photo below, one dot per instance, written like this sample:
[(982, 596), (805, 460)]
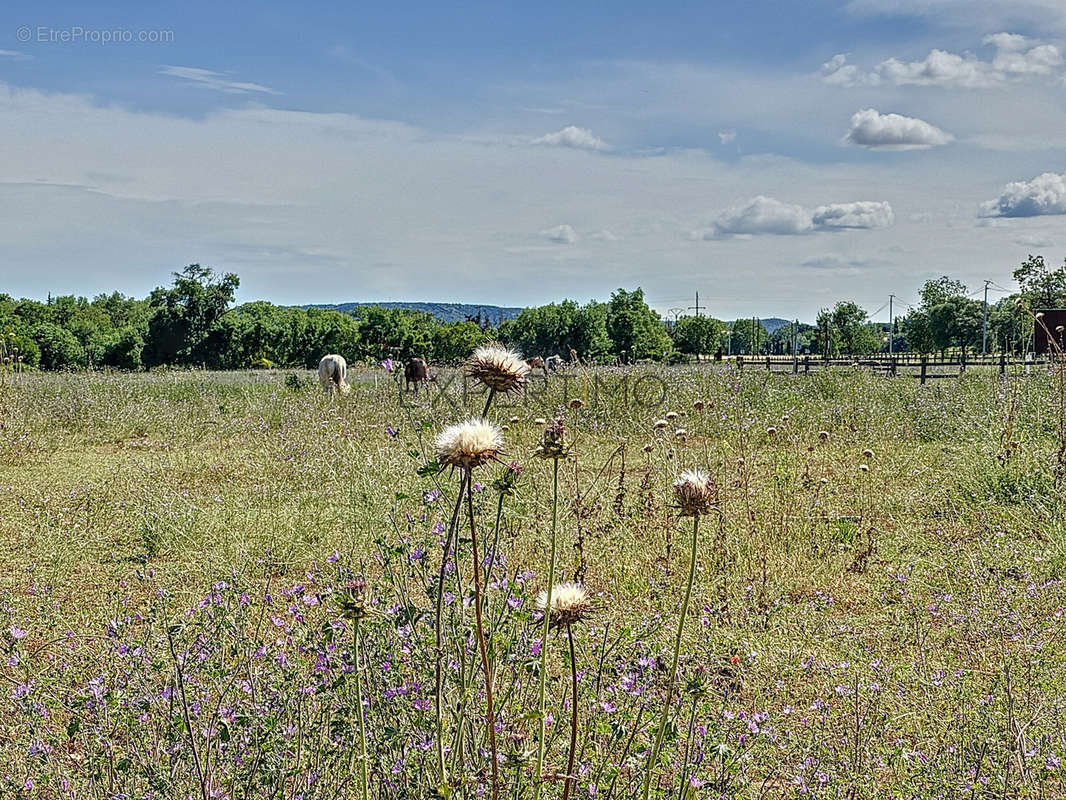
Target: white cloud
[(872, 129), (560, 234), (1043, 195), (767, 215), (12, 54), (573, 136), (862, 214), (725, 137), (207, 79), (1014, 58), (980, 15)]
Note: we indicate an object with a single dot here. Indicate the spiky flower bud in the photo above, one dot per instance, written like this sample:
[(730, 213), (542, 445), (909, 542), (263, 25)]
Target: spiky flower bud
[(355, 599), (554, 442)]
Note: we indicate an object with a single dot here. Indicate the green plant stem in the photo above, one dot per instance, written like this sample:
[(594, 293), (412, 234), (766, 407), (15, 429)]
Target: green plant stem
[(683, 789), (653, 755), (488, 402), (538, 776), (437, 625), (573, 716), (486, 668), (363, 768)]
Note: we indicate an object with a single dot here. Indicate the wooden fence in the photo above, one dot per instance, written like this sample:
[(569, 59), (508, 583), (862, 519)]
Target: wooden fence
[(923, 367)]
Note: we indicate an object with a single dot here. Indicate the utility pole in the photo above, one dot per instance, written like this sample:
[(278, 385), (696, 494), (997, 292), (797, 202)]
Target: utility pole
[(891, 323), (984, 323), (696, 307)]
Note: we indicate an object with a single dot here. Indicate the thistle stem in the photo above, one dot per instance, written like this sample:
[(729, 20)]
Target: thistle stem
[(653, 755), (363, 768), (485, 666), (488, 402), (437, 625), (539, 774), (570, 778)]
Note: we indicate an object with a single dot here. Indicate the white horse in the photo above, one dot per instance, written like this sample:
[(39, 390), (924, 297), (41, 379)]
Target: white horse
[(331, 372)]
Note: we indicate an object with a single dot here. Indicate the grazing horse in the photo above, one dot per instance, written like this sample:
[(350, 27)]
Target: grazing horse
[(537, 363), (415, 371), (332, 370)]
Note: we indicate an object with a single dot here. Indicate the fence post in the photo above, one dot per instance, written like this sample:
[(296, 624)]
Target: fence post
[(807, 365), (925, 362), (740, 364), (1002, 363), (962, 361), (768, 363), (893, 366)]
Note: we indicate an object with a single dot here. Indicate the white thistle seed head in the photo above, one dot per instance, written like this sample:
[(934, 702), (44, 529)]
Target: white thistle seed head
[(696, 493), (570, 603), (498, 368), (469, 444)]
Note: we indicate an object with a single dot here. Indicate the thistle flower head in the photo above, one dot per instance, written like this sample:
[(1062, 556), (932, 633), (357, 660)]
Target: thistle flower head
[(355, 599), (569, 604), (498, 368), (696, 493), (469, 444), (555, 441), (577, 404), (699, 405), (660, 424), (505, 482), (823, 435)]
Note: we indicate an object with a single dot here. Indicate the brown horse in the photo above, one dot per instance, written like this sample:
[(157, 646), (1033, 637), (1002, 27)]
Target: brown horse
[(415, 371), (537, 363)]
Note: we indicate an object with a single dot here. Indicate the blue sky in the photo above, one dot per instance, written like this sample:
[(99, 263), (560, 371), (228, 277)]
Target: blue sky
[(776, 156)]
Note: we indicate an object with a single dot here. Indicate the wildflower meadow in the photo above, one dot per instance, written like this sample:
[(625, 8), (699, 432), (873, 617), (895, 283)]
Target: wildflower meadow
[(645, 581)]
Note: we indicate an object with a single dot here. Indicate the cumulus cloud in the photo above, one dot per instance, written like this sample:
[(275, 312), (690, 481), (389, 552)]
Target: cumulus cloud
[(1043, 195), (870, 128), (763, 215), (725, 137), (1015, 57), (208, 79), (560, 234), (573, 136)]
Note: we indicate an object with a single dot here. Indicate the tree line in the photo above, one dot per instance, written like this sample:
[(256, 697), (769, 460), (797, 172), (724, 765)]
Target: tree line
[(194, 323)]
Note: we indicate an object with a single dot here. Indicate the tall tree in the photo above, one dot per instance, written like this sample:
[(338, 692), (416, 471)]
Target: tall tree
[(184, 327)]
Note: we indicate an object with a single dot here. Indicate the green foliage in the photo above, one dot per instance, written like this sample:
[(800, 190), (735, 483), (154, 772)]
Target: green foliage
[(746, 336), (557, 328), (845, 330), (58, 347), (636, 332), (184, 329), (1042, 286), (697, 335)]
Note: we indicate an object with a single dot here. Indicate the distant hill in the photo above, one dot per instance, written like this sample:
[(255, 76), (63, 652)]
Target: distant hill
[(445, 312), (773, 323)]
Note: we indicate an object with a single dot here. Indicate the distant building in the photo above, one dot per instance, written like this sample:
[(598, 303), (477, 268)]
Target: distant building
[(1053, 323)]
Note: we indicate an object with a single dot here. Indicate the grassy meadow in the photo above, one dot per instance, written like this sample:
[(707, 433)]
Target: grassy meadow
[(876, 611)]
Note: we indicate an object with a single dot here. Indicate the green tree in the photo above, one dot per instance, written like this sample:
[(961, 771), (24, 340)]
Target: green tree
[(59, 349), (184, 327), (636, 332), (697, 335), (745, 336), (1042, 287)]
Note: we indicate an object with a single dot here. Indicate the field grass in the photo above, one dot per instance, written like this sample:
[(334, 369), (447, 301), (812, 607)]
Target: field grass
[(878, 611)]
